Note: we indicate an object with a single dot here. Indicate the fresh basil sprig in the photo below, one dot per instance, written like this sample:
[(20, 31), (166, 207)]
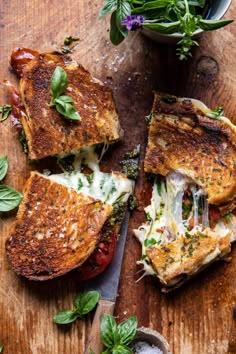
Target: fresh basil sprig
[(116, 338), (5, 111), (162, 16), (9, 197), (63, 103), (83, 304)]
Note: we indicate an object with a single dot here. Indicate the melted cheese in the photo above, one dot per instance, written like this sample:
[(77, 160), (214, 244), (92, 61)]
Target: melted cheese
[(165, 214), (107, 187)]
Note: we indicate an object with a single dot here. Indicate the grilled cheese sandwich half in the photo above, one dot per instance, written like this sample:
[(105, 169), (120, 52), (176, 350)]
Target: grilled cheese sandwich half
[(190, 221), (62, 219), (47, 132)]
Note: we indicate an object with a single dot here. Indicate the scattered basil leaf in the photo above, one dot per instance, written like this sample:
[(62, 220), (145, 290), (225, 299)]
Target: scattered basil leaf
[(109, 6), (85, 302), (69, 40), (65, 317), (59, 82), (1, 348), (109, 330), (127, 330), (9, 198), (3, 167), (5, 111)]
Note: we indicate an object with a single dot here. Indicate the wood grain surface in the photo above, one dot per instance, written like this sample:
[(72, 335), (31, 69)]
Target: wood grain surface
[(195, 319)]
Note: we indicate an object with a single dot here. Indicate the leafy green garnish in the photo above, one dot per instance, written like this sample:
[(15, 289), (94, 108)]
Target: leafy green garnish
[(149, 242), (9, 197), (63, 103), (148, 217), (5, 112), (218, 112), (228, 216), (1, 348), (3, 167), (116, 338), (83, 304), (162, 16), (69, 40)]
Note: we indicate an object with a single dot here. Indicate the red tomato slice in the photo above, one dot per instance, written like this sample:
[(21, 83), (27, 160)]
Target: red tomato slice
[(214, 215), (99, 259)]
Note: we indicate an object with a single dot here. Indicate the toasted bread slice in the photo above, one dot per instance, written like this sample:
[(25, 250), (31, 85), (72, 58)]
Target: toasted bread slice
[(183, 138), (183, 233), (56, 229), (47, 132), (176, 262)]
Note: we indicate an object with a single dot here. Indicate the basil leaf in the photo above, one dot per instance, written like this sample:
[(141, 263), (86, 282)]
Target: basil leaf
[(5, 110), (109, 6), (65, 99), (152, 5), (65, 317), (59, 82), (149, 242), (9, 198), (116, 36), (86, 302), (121, 349), (165, 28), (210, 25), (3, 167), (109, 331), (127, 330), (70, 39), (123, 10), (67, 110), (1, 348)]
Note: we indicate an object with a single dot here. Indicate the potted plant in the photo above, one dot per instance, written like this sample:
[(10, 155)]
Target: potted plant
[(180, 19)]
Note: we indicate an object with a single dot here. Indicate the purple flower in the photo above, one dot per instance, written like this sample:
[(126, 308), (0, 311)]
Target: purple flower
[(132, 22)]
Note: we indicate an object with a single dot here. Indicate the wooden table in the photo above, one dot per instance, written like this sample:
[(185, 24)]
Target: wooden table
[(196, 318)]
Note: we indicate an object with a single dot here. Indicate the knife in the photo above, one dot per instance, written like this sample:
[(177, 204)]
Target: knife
[(107, 285)]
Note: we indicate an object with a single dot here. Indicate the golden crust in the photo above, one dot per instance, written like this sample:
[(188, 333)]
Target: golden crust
[(56, 229), (182, 138), (47, 132), (177, 261)]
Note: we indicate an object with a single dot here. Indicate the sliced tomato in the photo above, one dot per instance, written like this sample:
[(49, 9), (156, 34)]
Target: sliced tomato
[(20, 57), (214, 215), (99, 259)]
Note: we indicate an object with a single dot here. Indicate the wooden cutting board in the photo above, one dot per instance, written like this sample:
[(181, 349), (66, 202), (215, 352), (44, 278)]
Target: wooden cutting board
[(196, 318)]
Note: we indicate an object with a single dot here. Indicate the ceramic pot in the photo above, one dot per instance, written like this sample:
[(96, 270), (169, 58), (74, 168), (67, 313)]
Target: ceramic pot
[(152, 337)]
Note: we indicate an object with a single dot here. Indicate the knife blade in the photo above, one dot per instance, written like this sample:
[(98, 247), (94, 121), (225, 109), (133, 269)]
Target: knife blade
[(107, 285)]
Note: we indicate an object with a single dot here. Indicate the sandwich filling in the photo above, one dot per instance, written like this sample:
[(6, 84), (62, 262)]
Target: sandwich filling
[(179, 221)]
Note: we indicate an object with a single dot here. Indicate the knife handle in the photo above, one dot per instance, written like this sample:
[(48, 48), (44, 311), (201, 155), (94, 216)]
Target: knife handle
[(95, 341)]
